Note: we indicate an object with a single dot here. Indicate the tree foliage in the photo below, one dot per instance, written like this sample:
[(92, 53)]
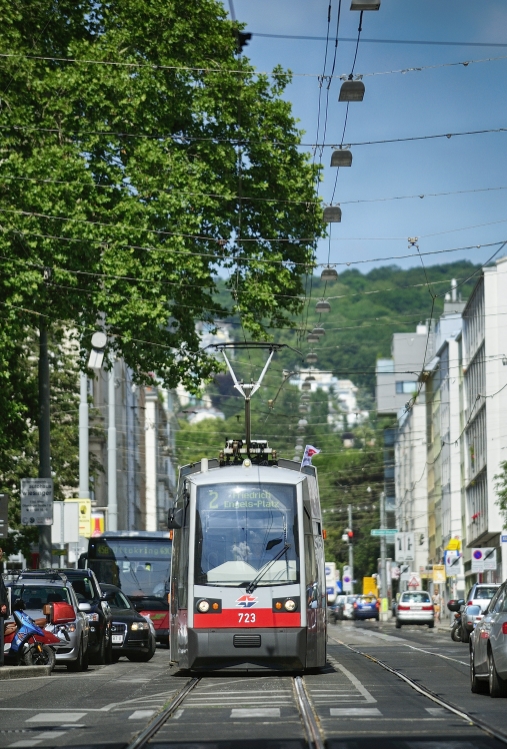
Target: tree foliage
[(141, 157)]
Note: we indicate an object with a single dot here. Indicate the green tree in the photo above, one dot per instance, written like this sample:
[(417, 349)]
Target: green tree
[(141, 157)]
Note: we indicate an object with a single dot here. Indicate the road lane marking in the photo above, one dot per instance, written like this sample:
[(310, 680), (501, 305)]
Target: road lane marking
[(178, 714), (355, 712), (50, 734), (141, 714), (25, 743), (355, 681), (437, 712), (438, 655), (55, 717), (267, 712)]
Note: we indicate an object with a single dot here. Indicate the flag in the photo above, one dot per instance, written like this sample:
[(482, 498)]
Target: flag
[(310, 451)]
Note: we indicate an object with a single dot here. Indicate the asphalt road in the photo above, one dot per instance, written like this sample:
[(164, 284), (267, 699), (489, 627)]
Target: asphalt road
[(358, 704)]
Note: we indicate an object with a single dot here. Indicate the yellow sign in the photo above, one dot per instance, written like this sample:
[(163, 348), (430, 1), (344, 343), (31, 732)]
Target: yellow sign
[(454, 545), (439, 573), (85, 516), (370, 586), (97, 524)]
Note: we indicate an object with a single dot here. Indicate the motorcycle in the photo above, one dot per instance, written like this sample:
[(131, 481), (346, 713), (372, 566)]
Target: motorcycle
[(26, 643), (457, 608)]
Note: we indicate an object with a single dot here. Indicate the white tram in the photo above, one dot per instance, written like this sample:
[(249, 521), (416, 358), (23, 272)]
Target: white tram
[(247, 581)]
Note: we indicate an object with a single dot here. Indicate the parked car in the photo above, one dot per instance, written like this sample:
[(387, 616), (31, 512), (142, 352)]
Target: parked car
[(89, 591), (415, 607), (488, 648), (348, 607), (479, 594), (336, 609), (133, 635), (35, 589), (366, 607), (157, 610)]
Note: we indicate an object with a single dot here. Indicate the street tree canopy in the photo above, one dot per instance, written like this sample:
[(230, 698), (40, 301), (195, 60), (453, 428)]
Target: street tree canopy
[(141, 160)]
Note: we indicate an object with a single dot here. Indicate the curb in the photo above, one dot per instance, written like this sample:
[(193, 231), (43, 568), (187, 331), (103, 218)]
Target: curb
[(23, 672)]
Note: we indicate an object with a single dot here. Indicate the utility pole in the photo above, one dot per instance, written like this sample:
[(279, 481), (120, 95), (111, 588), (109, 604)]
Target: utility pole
[(44, 440), (112, 501), (351, 548), (383, 544), (84, 478)]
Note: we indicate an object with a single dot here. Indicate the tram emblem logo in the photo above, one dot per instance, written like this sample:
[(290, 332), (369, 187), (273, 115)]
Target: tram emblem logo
[(246, 601)]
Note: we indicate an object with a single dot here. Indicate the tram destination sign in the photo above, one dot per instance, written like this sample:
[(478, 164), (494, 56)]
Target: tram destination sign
[(37, 501), (383, 531)]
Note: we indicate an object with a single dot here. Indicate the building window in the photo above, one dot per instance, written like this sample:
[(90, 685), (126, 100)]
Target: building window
[(406, 387)]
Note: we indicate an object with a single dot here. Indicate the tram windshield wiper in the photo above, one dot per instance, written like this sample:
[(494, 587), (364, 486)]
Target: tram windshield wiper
[(251, 586)]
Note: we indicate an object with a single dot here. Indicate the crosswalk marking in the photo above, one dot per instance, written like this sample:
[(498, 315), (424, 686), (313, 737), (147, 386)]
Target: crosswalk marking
[(266, 712), (437, 712), (355, 712), (25, 743), (55, 718), (141, 714)]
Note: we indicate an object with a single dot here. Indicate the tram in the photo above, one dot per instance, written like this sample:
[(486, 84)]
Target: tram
[(248, 586)]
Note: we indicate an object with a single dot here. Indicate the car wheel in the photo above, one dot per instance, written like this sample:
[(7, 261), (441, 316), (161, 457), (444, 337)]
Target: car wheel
[(116, 657), (77, 665), (465, 635), (477, 686), (497, 685), (377, 618), (84, 666), (398, 624), (109, 652), (431, 625), (100, 657)]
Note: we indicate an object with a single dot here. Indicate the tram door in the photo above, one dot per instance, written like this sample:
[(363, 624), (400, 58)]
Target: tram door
[(315, 585)]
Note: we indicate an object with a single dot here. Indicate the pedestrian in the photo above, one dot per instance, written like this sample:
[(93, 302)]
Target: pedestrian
[(436, 605), (4, 612)]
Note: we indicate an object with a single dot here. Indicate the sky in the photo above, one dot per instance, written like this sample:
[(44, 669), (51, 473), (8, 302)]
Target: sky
[(448, 99)]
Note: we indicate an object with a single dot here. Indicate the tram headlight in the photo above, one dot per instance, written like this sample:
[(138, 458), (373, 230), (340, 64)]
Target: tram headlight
[(203, 606), (290, 605)]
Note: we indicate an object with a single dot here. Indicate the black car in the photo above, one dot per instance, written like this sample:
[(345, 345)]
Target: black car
[(88, 590), (133, 635)]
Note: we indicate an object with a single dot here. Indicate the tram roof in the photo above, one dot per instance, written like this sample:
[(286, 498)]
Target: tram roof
[(252, 474)]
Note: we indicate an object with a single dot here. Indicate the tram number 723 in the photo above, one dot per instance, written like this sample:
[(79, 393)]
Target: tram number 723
[(246, 618)]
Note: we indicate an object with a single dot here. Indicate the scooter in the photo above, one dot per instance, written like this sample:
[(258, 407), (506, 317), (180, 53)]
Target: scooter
[(26, 643), (456, 606)]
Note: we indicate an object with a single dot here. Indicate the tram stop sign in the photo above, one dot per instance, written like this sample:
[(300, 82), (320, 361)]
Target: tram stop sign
[(4, 518), (36, 501)]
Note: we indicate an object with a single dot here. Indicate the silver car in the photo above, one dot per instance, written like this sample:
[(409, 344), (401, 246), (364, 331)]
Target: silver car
[(35, 589), (415, 607), (479, 594), (488, 648)]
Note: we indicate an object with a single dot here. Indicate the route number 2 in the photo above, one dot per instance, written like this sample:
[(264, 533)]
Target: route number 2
[(246, 618)]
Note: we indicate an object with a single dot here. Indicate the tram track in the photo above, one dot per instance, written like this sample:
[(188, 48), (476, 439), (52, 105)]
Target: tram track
[(470, 719), (310, 722)]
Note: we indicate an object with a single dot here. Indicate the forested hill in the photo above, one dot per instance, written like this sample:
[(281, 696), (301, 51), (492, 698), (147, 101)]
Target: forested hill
[(366, 309)]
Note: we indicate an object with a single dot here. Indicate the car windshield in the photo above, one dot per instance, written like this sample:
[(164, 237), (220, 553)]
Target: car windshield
[(119, 601), (84, 590), (484, 593), (240, 529), (415, 597), (36, 596)]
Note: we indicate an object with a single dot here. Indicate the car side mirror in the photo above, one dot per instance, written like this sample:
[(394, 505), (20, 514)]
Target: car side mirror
[(175, 518), (108, 595), (85, 607), (461, 601)]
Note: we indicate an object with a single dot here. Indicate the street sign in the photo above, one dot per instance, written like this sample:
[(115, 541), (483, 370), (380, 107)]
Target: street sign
[(483, 559), (65, 528), (454, 544), (452, 562), (504, 539), (489, 559), (383, 532), (409, 546), (439, 576), (36, 501), (4, 518), (347, 580), (414, 582), (405, 546), (85, 515)]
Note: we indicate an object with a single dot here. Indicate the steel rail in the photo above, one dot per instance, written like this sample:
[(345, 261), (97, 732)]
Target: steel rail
[(158, 721), (478, 722), (313, 735)]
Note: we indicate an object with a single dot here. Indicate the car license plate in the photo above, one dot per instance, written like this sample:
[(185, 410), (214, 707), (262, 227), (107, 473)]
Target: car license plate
[(417, 607), (117, 639)]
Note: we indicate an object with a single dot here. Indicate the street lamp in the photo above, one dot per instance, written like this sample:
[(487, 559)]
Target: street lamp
[(322, 306), (365, 5), (351, 91), (333, 214), (341, 157), (329, 274)]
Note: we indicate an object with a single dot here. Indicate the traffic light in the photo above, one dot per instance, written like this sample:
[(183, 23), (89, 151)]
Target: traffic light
[(242, 39), (348, 535)]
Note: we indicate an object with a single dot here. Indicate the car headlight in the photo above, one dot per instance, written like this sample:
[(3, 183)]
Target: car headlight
[(139, 625), (71, 627), (92, 617)]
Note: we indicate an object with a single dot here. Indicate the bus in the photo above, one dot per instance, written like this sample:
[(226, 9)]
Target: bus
[(138, 562), (248, 588)]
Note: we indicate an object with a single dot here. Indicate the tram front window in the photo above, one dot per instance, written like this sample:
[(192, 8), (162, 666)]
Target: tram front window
[(241, 529)]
